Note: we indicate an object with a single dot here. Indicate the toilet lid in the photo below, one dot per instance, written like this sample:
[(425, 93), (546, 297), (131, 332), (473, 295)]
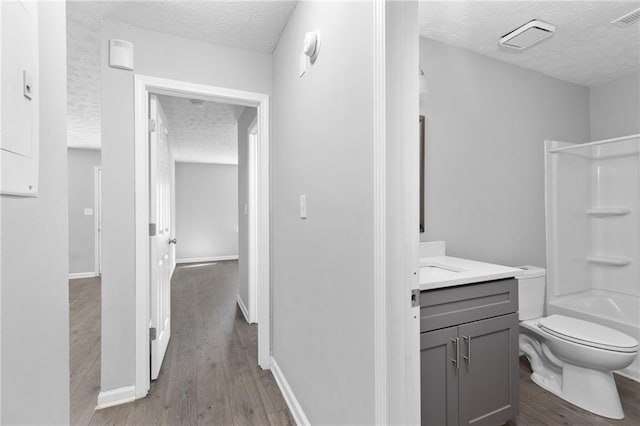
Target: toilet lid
[(588, 333)]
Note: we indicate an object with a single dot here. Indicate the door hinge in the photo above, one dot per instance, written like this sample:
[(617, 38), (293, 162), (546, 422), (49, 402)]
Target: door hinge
[(152, 229), (152, 333), (152, 125), (415, 298)]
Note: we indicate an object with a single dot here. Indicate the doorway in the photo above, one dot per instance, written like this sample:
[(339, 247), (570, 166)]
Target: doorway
[(145, 86)]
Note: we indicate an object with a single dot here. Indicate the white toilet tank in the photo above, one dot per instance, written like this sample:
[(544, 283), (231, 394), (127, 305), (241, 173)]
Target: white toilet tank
[(531, 292)]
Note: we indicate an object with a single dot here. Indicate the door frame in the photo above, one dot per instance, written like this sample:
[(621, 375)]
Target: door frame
[(143, 86), (252, 201), (396, 212), (97, 218)]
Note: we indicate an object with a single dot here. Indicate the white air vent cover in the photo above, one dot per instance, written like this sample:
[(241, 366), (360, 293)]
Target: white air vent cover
[(628, 19), (527, 35)]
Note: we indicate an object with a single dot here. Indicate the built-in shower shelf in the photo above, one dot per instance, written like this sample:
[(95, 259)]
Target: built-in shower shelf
[(606, 260), (608, 211)]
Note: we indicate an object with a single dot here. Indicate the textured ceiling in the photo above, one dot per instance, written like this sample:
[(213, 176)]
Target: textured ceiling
[(202, 134), (83, 79), (251, 25), (586, 48), (245, 24)]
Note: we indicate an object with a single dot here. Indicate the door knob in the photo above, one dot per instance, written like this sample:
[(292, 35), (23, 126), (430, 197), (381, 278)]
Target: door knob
[(173, 241)]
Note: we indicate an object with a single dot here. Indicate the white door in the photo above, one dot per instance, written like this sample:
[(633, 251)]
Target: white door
[(160, 234)]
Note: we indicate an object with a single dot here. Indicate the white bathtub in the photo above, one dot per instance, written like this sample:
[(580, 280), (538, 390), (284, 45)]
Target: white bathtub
[(610, 309)]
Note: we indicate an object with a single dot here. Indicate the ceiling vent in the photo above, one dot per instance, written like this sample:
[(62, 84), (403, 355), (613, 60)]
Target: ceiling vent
[(528, 34), (628, 19)]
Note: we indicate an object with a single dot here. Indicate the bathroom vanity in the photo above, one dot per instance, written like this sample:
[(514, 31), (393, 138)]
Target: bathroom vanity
[(468, 342)]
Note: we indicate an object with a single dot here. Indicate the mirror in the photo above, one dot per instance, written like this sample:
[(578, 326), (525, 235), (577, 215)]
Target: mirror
[(422, 174)]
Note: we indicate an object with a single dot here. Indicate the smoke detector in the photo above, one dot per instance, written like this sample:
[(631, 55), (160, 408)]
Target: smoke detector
[(628, 19), (528, 34)]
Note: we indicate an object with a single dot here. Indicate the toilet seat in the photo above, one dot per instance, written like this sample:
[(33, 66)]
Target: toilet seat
[(588, 334)]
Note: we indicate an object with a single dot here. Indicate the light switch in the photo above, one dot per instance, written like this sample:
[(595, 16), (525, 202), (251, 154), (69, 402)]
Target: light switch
[(303, 207), (88, 212)]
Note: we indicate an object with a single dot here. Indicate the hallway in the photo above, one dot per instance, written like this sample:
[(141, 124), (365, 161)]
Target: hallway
[(210, 373)]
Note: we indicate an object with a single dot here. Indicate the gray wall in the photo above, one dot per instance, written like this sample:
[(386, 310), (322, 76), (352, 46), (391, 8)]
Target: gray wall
[(160, 55), (244, 122), (615, 108), (322, 267), (35, 257), (486, 121), (81, 166), (206, 210)]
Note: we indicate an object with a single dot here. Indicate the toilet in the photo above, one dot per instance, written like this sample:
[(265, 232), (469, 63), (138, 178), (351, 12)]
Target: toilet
[(571, 358)]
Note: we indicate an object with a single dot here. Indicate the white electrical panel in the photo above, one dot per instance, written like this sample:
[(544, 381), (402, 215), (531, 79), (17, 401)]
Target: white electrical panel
[(19, 93)]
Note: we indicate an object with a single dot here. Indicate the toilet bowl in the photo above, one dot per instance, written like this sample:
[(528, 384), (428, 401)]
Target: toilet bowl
[(572, 358)]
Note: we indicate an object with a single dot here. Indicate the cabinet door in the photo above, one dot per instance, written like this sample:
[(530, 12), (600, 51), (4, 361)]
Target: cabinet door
[(439, 377), (489, 371)]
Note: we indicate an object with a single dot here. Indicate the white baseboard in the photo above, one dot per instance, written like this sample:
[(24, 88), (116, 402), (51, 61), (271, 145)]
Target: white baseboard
[(116, 397), (243, 308), (207, 259), (292, 402), (77, 275)]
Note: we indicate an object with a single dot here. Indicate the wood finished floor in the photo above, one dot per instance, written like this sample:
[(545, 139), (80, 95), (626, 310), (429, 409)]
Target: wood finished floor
[(210, 374), (539, 407)]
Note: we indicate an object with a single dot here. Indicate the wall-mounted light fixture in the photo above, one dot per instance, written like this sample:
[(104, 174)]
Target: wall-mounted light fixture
[(312, 45)]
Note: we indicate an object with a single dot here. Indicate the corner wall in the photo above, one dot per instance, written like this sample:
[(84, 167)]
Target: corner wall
[(158, 55), (615, 108), (322, 266), (486, 122), (206, 210), (35, 256)]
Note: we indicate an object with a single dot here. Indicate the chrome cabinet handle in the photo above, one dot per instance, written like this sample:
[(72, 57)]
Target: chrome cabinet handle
[(468, 356), (173, 241), (456, 361)]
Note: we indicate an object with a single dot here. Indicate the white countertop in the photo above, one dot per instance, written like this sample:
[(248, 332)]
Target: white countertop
[(447, 271)]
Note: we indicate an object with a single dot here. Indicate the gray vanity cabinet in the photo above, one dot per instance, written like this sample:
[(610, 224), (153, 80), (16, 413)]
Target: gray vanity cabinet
[(469, 369), (439, 377)]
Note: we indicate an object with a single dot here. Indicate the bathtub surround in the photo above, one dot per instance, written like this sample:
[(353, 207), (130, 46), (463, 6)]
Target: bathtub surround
[(206, 211), (593, 234), (486, 121), (82, 227)]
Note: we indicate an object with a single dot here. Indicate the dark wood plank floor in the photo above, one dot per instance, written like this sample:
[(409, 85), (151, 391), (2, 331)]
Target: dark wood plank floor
[(539, 407), (84, 347), (210, 374)]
